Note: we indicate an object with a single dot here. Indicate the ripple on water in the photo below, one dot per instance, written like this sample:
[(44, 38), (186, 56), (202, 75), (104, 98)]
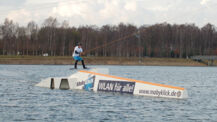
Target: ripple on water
[(20, 100)]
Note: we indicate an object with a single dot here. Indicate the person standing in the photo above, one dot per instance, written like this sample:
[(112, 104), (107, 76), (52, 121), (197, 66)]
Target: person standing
[(77, 56)]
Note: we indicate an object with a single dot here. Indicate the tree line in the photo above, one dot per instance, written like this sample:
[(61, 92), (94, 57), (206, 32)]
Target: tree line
[(125, 40)]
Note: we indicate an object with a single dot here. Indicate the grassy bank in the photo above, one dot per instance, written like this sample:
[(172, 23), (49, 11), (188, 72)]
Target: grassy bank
[(64, 60)]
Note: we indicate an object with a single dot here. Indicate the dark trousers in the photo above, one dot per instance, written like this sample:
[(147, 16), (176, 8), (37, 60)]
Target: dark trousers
[(76, 62)]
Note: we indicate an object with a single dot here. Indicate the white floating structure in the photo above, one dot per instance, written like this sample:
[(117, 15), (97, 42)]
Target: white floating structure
[(92, 80)]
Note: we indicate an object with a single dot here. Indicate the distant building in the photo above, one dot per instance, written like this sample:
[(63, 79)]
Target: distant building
[(45, 54)]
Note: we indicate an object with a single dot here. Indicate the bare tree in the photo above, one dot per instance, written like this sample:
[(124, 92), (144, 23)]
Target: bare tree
[(9, 30), (50, 25), (126, 40)]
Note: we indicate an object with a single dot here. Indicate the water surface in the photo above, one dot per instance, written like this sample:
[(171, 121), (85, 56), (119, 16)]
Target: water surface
[(20, 100)]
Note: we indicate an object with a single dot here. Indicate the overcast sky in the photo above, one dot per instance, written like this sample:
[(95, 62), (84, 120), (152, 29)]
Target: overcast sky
[(101, 12)]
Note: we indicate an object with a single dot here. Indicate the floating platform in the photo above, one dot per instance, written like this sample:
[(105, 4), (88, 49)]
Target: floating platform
[(95, 81)]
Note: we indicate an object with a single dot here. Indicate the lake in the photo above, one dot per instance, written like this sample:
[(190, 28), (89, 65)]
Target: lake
[(20, 100)]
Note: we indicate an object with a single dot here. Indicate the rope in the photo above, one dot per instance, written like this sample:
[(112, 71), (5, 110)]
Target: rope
[(109, 43)]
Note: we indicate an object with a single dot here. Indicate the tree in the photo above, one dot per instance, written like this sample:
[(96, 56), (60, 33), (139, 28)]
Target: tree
[(9, 30), (50, 27), (32, 31), (126, 40)]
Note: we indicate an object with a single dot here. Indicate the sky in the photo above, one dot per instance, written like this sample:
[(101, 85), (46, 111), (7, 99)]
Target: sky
[(113, 12)]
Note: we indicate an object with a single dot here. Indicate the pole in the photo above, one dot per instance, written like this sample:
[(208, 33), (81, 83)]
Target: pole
[(139, 41)]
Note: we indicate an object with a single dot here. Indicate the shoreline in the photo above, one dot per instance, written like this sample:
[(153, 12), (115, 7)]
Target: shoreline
[(67, 60)]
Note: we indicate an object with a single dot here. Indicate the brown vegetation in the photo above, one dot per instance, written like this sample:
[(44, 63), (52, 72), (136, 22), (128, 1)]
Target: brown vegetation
[(67, 60), (123, 40)]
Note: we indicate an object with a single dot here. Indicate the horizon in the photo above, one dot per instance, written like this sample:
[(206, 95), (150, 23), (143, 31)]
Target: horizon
[(59, 24)]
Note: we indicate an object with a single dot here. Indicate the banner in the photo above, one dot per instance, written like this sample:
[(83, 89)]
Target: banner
[(116, 86)]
